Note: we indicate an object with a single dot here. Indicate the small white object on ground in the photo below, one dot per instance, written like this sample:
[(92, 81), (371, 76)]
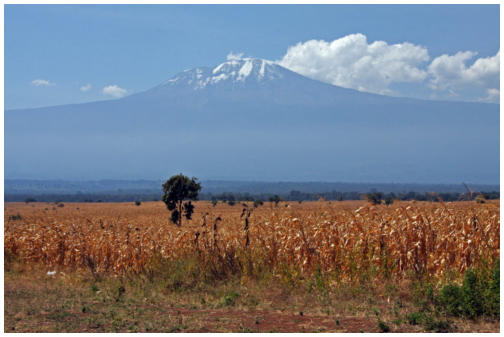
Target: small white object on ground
[(51, 273)]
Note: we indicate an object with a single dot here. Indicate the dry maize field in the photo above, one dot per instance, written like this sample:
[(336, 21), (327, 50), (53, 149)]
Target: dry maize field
[(332, 237)]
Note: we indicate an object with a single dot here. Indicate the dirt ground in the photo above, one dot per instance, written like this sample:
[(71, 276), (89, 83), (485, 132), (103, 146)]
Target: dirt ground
[(35, 302)]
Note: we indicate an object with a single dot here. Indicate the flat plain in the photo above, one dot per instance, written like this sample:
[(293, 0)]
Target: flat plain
[(323, 266)]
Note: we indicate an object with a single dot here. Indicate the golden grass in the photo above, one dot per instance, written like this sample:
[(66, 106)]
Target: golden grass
[(344, 238)]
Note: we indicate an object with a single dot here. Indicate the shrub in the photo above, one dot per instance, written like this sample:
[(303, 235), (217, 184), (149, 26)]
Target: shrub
[(258, 202), (451, 299), (274, 198), (15, 217), (415, 318), (432, 324), (138, 202), (492, 292), (230, 298), (383, 326), (480, 199), (479, 294)]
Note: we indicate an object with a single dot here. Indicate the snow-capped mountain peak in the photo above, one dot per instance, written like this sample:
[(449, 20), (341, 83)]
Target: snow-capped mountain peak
[(235, 70)]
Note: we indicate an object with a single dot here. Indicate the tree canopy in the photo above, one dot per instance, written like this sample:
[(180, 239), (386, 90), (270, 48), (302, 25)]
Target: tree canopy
[(178, 191)]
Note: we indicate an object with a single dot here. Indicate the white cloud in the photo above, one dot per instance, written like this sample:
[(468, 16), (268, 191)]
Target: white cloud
[(232, 56), (450, 73), (493, 96), (41, 83), (114, 91), (352, 62), (86, 87)]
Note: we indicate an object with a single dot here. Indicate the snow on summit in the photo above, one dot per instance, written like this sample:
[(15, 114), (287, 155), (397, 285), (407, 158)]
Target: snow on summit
[(236, 69)]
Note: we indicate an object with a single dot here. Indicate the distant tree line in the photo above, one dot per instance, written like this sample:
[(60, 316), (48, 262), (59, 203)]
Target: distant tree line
[(81, 197), (232, 198), (117, 187), (340, 196)]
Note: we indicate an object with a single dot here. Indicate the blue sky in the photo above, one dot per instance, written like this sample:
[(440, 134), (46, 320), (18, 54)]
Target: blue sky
[(60, 54)]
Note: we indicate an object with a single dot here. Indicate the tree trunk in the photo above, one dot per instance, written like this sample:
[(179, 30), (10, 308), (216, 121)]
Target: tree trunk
[(180, 214)]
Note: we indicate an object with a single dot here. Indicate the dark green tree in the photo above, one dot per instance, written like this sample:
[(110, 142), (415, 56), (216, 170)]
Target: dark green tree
[(374, 197), (258, 202), (389, 201), (274, 198), (178, 191)]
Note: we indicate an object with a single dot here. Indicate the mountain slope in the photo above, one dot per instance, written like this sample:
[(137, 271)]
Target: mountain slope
[(252, 119)]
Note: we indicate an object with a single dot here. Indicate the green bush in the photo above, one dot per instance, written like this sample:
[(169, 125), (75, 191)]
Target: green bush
[(451, 299), (492, 292), (415, 318), (479, 294), (432, 324), (472, 295), (429, 321), (230, 298), (383, 326)]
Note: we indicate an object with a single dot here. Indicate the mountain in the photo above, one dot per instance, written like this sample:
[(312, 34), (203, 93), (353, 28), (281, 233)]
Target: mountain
[(252, 119)]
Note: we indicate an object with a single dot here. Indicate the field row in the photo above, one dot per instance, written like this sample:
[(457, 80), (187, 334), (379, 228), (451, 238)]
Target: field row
[(343, 238)]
